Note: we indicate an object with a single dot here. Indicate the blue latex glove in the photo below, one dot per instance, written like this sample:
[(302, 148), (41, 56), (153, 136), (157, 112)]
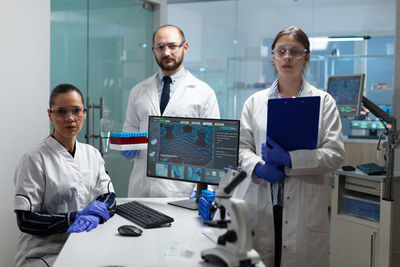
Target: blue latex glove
[(129, 154), (273, 153), (84, 222), (269, 172), (97, 208)]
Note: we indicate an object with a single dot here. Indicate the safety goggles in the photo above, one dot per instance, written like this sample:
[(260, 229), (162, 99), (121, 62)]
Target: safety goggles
[(160, 48), (294, 52), (76, 112)]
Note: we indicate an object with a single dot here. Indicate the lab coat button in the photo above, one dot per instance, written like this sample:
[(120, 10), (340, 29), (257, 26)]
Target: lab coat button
[(288, 197), (286, 222), (284, 246)]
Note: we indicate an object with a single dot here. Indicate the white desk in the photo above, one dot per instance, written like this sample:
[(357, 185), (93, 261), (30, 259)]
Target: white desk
[(178, 245)]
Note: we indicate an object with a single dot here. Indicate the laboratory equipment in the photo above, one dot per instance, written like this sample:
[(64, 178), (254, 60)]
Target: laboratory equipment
[(195, 150), (143, 215), (235, 247), (371, 168), (107, 125), (347, 90), (128, 141), (363, 129), (392, 142), (206, 200)]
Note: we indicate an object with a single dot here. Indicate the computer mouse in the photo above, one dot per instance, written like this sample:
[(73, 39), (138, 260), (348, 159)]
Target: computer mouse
[(129, 230), (348, 168)]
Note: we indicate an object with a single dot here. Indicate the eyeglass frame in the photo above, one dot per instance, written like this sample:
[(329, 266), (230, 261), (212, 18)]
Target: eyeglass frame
[(305, 52), (79, 115), (159, 48)]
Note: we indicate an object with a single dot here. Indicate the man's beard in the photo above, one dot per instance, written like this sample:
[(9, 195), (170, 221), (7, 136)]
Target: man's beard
[(169, 67)]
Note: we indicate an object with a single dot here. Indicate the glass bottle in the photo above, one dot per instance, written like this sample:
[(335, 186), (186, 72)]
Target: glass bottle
[(107, 125)]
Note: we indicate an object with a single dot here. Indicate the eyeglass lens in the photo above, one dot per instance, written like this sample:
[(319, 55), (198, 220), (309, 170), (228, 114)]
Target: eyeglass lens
[(170, 46), (296, 52), (62, 112)]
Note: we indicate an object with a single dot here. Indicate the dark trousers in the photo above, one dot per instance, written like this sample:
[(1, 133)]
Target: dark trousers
[(278, 234)]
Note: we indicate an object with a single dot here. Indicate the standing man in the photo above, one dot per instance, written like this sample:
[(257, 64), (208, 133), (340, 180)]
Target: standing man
[(173, 91)]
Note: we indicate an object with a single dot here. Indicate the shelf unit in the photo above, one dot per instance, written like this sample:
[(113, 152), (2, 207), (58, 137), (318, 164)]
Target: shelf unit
[(359, 236)]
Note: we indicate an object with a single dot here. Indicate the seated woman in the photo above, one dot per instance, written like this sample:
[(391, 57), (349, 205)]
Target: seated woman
[(61, 185)]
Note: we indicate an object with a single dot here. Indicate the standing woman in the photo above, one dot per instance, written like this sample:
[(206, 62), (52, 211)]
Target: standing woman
[(287, 193), (61, 185)]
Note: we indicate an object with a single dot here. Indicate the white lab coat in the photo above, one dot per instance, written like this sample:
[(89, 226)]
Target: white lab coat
[(305, 224), (193, 98), (49, 179)]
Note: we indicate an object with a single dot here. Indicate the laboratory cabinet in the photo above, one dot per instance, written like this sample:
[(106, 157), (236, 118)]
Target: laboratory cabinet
[(353, 234), (364, 227)]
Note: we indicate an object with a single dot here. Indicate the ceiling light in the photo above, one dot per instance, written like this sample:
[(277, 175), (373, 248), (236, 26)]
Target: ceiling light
[(348, 38)]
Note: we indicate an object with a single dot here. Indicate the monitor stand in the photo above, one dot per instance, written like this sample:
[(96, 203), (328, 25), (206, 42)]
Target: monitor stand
[(191, 204)]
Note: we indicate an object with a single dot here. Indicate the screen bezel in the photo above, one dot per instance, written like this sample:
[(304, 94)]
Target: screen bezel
[(361, 77), (189, 118)]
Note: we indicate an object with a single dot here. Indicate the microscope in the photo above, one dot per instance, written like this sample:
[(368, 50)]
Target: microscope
[(235, 246)]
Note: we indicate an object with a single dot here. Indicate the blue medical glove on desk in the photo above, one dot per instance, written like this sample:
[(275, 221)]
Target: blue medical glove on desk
[(269, 172), (273, 153), (129, 154), (97, 208), (84, 222)]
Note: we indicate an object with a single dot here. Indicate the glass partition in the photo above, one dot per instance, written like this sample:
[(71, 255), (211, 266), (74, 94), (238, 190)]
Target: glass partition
[(104, 48), (229, 43)]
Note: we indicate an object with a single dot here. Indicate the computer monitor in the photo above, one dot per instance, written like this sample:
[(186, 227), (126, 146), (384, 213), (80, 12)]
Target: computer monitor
[(347, 90), (192, 150)]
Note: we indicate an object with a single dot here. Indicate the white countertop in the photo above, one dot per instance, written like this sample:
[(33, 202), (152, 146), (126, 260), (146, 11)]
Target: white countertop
[(179, 245)]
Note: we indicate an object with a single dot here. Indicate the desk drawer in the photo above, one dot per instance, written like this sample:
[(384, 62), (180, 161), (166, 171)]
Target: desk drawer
[(367, 208), (364, 186)]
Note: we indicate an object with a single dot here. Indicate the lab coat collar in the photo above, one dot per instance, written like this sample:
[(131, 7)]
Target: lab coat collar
[(190, 80), (178, 75), (151, 91), (306, 91), (60, 149), (151, 84)]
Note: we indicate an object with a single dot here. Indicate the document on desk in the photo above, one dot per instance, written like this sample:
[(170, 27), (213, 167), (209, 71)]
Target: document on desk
[(293, 122)]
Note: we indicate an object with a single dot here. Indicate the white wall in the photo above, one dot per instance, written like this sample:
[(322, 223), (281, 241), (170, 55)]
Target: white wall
[(24, 85)]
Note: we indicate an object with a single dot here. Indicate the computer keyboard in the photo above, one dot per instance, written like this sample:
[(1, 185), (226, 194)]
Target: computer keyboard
[(371, 169), (143, 215)]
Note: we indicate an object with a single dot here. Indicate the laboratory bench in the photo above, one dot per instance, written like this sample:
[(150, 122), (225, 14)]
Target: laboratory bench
[(177, 245), (365, 228)]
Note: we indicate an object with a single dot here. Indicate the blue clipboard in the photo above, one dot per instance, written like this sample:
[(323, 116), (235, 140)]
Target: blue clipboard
[(293, 122)]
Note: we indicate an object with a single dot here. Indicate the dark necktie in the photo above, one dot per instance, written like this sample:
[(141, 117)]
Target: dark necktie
[(165, 93)]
